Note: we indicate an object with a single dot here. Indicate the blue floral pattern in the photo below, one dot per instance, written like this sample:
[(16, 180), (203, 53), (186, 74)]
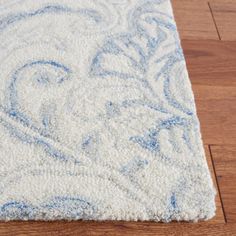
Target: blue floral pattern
[(97, 116)]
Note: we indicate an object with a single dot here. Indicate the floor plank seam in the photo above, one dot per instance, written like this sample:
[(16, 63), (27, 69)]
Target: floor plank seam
[(217, 183), (212, 14)]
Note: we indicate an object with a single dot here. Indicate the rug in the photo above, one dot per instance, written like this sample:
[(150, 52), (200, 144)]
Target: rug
[(97, 115)]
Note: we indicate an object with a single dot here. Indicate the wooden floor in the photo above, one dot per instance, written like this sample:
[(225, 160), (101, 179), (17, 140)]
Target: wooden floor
[(208, 33)]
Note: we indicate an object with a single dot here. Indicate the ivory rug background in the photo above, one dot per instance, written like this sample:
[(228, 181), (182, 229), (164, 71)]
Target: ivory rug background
[(97, 115)]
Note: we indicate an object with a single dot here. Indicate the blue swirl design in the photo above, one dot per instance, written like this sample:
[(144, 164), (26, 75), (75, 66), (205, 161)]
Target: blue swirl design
[(76, 207), (42, 76), (59, 74), (150, 141), (50, 9), (121, 45), (122, 134)]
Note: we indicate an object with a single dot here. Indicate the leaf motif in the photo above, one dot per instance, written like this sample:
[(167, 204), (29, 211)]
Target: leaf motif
[(136, 56)]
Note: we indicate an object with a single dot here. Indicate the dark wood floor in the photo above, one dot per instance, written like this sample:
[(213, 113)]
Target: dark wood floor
[(208, 33)]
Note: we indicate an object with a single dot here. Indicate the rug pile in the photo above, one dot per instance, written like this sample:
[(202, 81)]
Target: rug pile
[(97, 115)]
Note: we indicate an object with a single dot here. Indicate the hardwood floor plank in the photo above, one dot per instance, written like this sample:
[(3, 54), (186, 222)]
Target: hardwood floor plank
[(210, 61), (224, 12), (219, 218), (194, 19), (212, 70), (216, 113), (114, 229), (225, 164)]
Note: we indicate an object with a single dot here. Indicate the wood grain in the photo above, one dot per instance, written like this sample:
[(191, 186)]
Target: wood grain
[(212, 69), (114, 229), (220, 217), (211, 62), (224, 12), (225, 164), (194, 19)]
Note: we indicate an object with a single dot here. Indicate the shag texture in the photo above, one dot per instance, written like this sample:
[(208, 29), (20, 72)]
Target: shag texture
[(97, 115)]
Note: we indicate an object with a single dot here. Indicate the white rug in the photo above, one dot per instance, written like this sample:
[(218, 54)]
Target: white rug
[(97, 115)]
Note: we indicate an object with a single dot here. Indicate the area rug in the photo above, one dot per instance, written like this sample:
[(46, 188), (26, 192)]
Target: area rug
[(97, 115)]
